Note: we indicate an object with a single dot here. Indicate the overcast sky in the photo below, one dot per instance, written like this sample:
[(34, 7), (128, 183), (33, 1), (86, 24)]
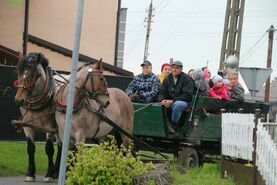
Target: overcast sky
[(191, 31)]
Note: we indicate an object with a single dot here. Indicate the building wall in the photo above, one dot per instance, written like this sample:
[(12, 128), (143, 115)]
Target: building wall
[(12, 24), (121, 38), (54, 21), (57, 61)]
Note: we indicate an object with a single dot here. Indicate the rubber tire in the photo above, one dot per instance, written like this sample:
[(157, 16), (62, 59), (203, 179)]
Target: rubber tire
[(188, 158)]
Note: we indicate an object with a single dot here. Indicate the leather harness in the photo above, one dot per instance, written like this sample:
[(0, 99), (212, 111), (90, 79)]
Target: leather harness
[(42, 100)]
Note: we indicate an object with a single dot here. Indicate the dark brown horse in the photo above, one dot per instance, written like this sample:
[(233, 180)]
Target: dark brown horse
[(36, 89), (93, 95)]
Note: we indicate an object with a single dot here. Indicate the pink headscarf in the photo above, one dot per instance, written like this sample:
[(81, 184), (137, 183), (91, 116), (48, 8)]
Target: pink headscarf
[(206, 74), (164, 65)]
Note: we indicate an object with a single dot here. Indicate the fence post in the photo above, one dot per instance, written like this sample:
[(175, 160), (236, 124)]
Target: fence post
[(223, 175), (257, 116)]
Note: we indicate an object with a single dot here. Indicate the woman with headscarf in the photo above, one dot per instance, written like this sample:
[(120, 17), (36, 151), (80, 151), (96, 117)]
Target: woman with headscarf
[(165, 71)]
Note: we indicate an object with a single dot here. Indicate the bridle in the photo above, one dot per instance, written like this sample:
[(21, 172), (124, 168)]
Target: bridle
[(93, 93), (42, 99), (26, 84)]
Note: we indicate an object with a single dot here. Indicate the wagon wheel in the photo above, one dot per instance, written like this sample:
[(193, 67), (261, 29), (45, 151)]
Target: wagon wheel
[(188, 158)]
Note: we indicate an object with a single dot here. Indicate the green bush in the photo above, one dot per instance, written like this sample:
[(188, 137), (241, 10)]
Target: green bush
[(104, 164)]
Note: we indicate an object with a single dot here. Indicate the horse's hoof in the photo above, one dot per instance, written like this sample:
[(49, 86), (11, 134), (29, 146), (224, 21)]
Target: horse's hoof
[(29, 179), (48, 179)]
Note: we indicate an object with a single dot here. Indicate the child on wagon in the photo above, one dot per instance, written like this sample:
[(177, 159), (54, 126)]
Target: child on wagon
[(219, 89)]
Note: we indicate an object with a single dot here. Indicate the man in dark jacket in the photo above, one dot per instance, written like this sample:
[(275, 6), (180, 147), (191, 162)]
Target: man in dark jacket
[(145, 86), (175, 93)]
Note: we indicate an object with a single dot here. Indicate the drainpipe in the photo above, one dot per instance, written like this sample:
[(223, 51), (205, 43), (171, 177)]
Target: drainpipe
[(117, 32), (26, 23)]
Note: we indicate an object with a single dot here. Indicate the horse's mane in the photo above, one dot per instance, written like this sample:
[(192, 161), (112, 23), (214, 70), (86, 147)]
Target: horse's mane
[(39, 59)]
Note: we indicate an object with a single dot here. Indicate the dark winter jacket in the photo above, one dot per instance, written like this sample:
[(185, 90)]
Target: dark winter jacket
[(237, 93), (182, 90)]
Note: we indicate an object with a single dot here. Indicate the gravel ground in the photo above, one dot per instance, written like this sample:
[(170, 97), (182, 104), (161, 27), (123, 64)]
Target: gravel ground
[(19, 180)]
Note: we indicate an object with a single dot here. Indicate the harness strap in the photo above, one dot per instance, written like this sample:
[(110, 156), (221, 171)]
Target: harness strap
[(19, 124), (61, 107), (45, 98), (100, 111), (122, 131)]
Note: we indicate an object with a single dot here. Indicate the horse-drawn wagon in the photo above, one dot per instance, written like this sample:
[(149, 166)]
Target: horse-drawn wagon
[(199, 131), (196, 138)]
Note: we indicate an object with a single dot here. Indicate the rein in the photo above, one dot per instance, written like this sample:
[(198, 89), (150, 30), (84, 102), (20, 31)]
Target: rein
[(103, 117), (147, 105), (19, 124)]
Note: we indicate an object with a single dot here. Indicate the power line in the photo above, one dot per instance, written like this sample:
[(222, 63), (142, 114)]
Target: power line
[(135, 27), (252, 47), (252, 52), (179, 25), (160, 10)]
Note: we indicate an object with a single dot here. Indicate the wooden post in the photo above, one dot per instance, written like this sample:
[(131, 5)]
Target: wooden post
[(223, 110), (269, 58), (257, 116)]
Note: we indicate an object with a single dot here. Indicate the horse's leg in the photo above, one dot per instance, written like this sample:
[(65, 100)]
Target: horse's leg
[(30, 135), (126, 141), (49, 149), (72, 147), (58, 157)]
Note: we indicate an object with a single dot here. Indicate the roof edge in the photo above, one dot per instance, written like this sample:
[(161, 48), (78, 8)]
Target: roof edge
[(82, 58)]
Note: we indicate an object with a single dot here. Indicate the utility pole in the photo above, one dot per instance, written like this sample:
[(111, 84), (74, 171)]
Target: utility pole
[(232, 30), (148, 29), (26, 25), (269, 58)]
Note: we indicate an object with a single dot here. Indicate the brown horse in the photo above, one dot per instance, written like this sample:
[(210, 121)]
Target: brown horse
[(36, 89), (93, 95)]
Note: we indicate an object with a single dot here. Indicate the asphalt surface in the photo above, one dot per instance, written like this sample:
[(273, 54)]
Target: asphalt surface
[(19, 180)]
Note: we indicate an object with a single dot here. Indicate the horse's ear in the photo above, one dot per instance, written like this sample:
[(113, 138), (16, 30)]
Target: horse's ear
[(20, 57), (21, 62), (42, 60), (98, 65)]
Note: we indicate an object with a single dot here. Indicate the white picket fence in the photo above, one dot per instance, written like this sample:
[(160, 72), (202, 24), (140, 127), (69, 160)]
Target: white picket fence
[(237, 135), (237, 142), (266, 155)]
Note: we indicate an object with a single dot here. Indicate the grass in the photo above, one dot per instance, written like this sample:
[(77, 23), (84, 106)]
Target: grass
[(208, 175), (14, 158), (13, 161)]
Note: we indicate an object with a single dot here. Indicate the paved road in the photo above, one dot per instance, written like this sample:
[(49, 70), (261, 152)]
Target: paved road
[(19, 180)]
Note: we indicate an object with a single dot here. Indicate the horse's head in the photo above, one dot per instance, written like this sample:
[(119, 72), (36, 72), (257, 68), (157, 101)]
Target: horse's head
[(95, 84), (29, 70)]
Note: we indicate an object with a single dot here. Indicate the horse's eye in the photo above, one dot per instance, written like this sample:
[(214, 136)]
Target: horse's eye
[(101, 78)]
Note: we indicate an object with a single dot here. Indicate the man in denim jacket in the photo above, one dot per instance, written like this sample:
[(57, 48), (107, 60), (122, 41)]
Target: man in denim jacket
[(145, 86)]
